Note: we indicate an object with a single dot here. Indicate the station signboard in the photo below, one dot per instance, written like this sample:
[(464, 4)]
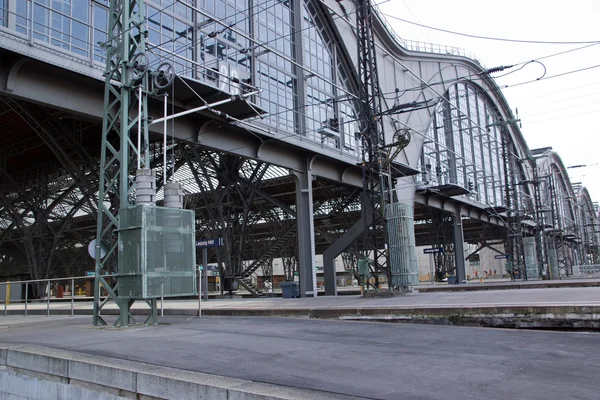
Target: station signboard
[(433, 250), (204, 243)]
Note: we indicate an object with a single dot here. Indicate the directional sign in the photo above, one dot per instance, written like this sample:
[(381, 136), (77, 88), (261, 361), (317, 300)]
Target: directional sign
[(501, 256), (204, 243), (433, 250)]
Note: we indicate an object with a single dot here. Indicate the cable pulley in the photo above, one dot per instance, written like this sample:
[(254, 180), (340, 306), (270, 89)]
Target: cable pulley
[(138, 66), (163, 76)]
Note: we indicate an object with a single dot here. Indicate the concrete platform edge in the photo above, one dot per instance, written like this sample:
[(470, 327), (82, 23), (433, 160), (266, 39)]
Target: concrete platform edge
[(128, 379), (539, 317), (534, 284), (583, 317)]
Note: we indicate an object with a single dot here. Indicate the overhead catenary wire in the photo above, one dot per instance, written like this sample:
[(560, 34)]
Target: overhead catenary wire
[(295, 133), (144, 20), (566, 90), (214, 21), (163, 8), (347, 92), (561, 117), (551, 76), (564, 108), (446, 82), (479, 76), (488, 37), (263, 44), (259, 44), (562, 100)]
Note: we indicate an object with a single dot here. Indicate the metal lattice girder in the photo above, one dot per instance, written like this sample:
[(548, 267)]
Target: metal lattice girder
[(68, 151), (376, 176), (126, 89), (442, 236), (274, 249), (514, 240), (44, 200)]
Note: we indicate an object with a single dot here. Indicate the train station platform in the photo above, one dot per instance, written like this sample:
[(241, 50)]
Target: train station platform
[(493, 284), (535, 306), (245, 349), (290, 358)]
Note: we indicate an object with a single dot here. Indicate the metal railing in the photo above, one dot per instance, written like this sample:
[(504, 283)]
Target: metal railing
[(414, 45), (81, 38), (589, 269), (48, 287), (73, 37), (53, 292)]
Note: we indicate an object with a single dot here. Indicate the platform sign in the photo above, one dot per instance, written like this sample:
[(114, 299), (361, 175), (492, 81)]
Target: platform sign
[(501, 256), (204, 243), (433, 250)]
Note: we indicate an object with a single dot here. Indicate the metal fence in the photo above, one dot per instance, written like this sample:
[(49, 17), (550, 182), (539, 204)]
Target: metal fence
[(50, 292), (414, 45), (590, 269)]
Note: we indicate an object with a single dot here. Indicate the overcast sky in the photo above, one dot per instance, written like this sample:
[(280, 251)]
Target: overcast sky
[(561, 112)]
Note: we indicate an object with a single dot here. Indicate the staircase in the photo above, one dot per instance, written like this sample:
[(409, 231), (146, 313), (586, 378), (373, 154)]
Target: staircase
[(246, 283), (245, 278)]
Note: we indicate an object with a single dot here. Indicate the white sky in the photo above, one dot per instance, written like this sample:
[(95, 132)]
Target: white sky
[(561, 112)]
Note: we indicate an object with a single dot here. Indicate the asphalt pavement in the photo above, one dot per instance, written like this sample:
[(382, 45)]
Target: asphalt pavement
[(368, 360)]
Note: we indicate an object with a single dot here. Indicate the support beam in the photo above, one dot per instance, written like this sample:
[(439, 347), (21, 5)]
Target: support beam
[(306, 232), (337, 248), (459, 251)]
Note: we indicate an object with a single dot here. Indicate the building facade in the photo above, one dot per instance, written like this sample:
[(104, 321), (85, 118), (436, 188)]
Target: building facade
[(277, 172)]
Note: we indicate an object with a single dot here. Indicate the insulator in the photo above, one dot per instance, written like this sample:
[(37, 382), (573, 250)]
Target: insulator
[(145, 182), (497, 69)]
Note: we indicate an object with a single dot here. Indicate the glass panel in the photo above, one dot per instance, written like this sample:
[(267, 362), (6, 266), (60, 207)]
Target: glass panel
[(157, 253), (3, 12), (22, 11), (41, 22), (100, 19), (462, 146)]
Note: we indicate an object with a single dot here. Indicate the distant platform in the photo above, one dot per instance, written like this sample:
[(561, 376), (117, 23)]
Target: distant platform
[(510, 285)]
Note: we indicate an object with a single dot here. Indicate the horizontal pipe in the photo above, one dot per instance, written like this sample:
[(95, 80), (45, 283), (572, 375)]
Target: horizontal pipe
[(201, 108)]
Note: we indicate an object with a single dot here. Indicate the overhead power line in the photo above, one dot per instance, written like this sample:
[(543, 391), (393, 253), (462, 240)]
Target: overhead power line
[(488, 37), (551, 76)]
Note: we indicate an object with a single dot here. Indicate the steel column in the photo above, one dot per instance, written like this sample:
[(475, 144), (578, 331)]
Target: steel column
[(127, 37), (337, 248), (306, 231), (459, 251)]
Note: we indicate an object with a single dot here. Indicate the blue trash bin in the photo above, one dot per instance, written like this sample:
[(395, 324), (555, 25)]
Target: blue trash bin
[(289, 290)]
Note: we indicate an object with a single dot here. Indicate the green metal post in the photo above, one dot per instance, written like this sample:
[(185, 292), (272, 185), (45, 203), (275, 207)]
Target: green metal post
[(126, 63)]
